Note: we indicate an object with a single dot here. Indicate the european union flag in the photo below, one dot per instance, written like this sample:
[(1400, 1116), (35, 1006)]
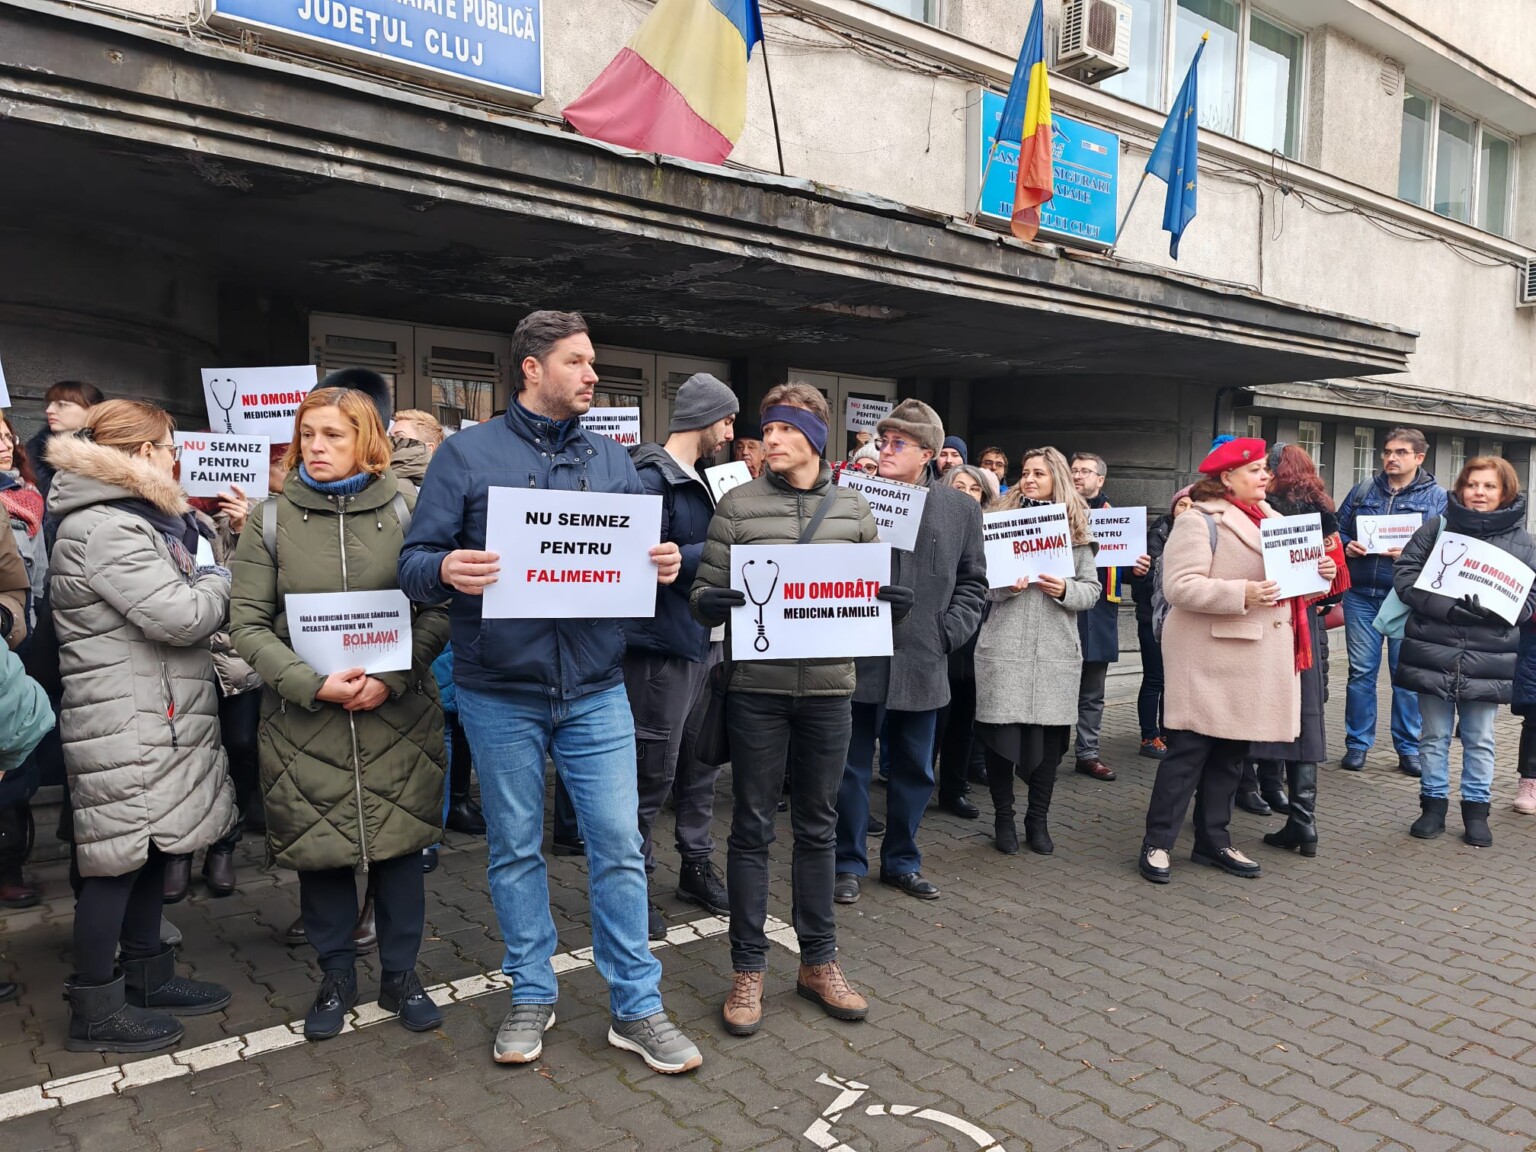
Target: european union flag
[(1175, 157)]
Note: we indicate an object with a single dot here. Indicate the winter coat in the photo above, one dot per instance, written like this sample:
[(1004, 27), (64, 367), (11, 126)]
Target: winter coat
[(1229, 670), (140, 713), (563, 659), (37, 453), (1524, 701), (25, 714), (768, 511), (1099, 628), (15, 590), (321, 766), (686, 509), (947, 573), (1372, 575), (30, 542), (235, 675), (1028, 654), (1464, 662), (408, 460)]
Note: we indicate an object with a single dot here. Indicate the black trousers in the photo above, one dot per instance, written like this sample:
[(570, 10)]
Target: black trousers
[(805, 737), (1207, 769), (328, 902), (113, 910), (239, 717), (1149, 700), (959, 752)]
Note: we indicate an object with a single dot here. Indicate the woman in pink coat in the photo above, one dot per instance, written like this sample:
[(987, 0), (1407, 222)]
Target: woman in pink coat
[(1230, 659)]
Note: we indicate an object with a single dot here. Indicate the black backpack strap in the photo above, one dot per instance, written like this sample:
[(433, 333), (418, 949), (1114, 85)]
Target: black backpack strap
[(402, 513), (821, 514), (269, 527)]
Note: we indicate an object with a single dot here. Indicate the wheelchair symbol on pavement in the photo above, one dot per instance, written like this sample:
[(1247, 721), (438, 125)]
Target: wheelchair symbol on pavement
[(850, 1092)]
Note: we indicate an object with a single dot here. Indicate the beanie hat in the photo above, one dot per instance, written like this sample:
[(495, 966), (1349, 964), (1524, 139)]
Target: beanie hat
[(700, 402), (959, 446), (867, 452), (916, 420), (370, 384)]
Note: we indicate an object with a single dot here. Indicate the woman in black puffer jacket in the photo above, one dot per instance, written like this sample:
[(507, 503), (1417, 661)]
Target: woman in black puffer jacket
[(1457, 655)]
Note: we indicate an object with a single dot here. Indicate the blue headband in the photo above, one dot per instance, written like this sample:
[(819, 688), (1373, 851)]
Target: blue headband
[(809, 424)]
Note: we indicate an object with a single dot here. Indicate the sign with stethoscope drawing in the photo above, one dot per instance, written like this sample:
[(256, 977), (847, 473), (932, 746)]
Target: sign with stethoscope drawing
[(1379, 535), (256, 401), (810, 601), (1464, 566)]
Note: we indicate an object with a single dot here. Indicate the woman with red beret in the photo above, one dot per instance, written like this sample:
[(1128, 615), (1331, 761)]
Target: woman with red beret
[(1232, 653)]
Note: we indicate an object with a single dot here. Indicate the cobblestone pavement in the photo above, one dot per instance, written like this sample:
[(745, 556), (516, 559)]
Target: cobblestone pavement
[(1381, 995)]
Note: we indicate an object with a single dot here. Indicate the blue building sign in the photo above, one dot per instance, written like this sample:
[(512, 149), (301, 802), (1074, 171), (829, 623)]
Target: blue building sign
[(1087, 170), (493, 47)]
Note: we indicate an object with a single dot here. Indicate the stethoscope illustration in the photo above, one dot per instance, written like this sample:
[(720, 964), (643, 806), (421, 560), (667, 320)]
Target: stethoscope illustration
[(761, 643), (1447, 561), (1370, 538), (227, 408)]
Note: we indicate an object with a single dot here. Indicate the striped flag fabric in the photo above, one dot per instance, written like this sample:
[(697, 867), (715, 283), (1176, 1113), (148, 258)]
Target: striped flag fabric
[(1026, 121)]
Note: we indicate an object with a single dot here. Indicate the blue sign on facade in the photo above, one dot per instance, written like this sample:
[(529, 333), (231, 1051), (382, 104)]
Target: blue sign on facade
[(1087, 169), (487, 44)]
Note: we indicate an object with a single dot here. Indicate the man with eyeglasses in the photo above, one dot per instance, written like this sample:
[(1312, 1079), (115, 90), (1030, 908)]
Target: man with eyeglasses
[(947, 573), (1402, 486), (1098, 629)]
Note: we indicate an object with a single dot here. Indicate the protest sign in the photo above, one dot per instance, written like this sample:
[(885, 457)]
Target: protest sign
[(1029, 542), (898, 508), (5, 393), (336, 631), (810, 601), (621, 424), (1292, 547), (1461, 565), (571, 554), (723, 477), (1121, 533), (211, 463), (1382, 534), (863, 414), (256, 401)]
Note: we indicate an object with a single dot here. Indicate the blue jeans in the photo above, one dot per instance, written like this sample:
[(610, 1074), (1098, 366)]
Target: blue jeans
[(592, 741), (909, 735), (1476, 748), (1364, 670)]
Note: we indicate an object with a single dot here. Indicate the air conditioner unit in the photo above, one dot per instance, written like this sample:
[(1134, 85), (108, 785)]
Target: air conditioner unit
[(1527, 272), (1095, 39)]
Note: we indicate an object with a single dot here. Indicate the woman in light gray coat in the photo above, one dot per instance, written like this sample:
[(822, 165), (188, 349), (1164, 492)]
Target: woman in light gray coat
[(1029, 661), (133, 609)]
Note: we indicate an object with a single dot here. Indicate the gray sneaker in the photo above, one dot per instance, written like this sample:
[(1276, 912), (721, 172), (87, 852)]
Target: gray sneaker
[(657, 1041), (520, 1039)]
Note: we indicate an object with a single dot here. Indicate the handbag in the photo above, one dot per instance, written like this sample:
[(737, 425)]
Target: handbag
[(1392, 618), (712, 746)]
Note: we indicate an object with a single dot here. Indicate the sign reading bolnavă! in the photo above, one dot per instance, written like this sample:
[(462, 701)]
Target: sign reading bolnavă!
[(492, 47)]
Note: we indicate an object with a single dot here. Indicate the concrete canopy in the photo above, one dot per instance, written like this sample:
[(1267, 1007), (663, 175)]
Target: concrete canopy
[(346, 197)]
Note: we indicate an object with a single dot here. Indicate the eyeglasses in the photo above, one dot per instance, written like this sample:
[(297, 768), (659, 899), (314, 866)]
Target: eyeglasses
[(893, 443), (9, 439), (1085, 472), (1391, 452), (173, 448)]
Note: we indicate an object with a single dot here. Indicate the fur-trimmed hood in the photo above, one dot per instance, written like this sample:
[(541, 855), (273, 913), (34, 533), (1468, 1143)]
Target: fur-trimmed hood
[(88, 473)]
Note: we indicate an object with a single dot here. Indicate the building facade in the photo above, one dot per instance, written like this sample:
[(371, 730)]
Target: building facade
[(388, 183)]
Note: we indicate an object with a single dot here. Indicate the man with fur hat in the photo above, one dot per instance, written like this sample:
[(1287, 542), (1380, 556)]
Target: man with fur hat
[(947, 573)]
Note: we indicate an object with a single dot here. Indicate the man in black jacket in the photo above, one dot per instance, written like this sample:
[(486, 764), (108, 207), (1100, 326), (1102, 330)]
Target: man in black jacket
[(667, 658)]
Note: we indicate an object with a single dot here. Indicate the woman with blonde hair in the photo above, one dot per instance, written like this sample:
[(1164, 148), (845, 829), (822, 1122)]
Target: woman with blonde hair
[(1029, 660), (352, 764), (134, 609)]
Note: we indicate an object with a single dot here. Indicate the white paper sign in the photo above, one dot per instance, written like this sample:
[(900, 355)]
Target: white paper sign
[(336, 631), (210, 464), (5, 393), (1380, 534), (621, 424), (1121, 533), (810, 601), (204, 553), (1293, 545), (256, 401), (898, 508), (571, 554), (1461, 566), (862, 415), (1029, 542), (723, 477), (466, 422)]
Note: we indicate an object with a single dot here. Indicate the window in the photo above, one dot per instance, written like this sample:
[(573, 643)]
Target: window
[(1250, 75), (1255, 427), (925, 10), (1365, 454), (1494, 448), (1458, 455), (1454, 165), (1309, 438)]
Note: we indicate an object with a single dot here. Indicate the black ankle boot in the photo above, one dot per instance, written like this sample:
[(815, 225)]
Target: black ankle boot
[(402, 994), (464, 815), (101, 1020), (1005, 835), (151, 982), (1431, 821), (1042, 785), (178, 878), (1474, 819), (1248, 798), (1300, 831), (1272, 774), (337, 996)]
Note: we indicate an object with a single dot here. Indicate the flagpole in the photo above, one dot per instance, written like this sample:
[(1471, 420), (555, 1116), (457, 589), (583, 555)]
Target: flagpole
[(982, 191), (773, 107), (1120, 231)]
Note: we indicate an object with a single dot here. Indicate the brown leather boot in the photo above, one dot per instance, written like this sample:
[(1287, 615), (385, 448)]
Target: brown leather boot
[(826, 985), (365, 933), (743, 1010)]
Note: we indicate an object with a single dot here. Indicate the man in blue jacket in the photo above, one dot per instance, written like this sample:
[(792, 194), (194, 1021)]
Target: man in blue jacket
[(670, 654), (1402, 486), (528, 687)]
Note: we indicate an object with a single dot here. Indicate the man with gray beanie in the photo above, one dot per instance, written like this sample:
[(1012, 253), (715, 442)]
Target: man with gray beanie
[(667, 658), (947, 573)]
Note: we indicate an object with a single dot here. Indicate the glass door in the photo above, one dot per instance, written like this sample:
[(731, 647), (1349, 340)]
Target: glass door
[(463, 375)]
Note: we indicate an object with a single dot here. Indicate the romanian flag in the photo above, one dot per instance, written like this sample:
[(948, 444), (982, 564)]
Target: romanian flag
[(680, 85), (1026, 121)]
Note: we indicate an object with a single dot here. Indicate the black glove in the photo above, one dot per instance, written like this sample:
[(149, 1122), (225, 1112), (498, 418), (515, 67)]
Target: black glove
[(899, 598), (1468, 611), (7, 622), (714, 605)]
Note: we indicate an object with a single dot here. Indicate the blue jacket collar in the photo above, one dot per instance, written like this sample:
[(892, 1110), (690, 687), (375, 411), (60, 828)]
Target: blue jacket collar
[(541, 430)]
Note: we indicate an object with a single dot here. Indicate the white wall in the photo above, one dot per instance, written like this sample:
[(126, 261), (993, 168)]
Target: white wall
[(1500, 34)]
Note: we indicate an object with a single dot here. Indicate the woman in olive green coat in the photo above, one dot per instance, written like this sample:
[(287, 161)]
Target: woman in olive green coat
[(351, 764)]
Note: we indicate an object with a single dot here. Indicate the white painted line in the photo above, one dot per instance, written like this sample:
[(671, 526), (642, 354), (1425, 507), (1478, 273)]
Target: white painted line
[(69, 1090), (849, 1094)]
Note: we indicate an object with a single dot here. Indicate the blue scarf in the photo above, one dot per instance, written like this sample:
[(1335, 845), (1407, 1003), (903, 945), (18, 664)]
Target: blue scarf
[(351, 486)]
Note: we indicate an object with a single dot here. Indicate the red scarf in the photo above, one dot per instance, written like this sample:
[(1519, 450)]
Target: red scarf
[(1301, 626), (26, 505)]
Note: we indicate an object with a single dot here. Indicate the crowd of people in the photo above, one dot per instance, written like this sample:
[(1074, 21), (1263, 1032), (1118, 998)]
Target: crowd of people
[(150, 633)]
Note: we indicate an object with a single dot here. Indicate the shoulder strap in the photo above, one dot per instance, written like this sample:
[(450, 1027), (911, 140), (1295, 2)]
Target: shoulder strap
[(820, 514), (1210, 527), (269, 527), (402, 513)]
